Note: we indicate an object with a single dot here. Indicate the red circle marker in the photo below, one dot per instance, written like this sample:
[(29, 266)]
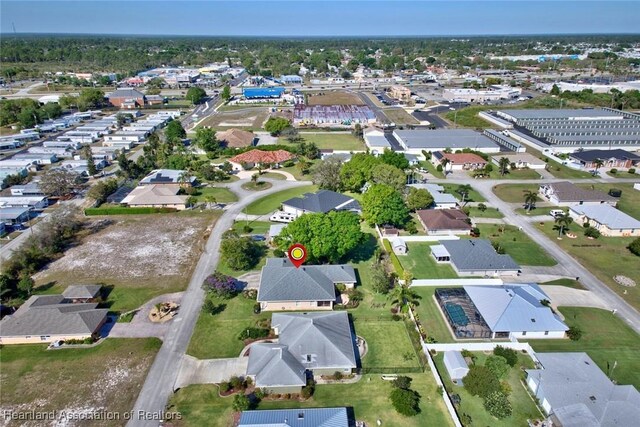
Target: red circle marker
[(297, 254)]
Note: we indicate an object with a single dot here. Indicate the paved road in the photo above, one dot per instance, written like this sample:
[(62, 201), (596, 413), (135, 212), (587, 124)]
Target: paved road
[(162, 376), (572, 267)]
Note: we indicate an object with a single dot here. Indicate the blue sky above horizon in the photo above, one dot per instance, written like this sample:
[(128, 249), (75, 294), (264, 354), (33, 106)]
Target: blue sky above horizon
[(317, 18)]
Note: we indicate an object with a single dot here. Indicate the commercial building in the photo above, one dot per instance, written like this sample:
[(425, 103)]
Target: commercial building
[(608, 220), (127, 98), (262, 92), (332, 115), (573, 391), (415, 141), (400, 92), (291, 79), (494, 93), (376, 141)]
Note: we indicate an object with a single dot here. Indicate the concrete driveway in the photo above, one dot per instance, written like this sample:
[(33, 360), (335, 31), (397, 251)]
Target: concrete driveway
[(209, 371), (562, 296), (250, 280)]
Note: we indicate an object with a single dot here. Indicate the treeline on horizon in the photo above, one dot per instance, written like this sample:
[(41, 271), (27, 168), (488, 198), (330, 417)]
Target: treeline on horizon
[(28, 56)]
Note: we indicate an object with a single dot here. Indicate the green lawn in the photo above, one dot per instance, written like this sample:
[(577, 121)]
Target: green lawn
[(257, 186), (622, 174), (259, 227), (604, 257), (569, 283), (538, 211), (422, 265), (295, 171), (523, 406), (559, 170), (468, 117), (474, 212), (221, 194), (514, 193), (517, 244), (628, 203), (606, 339), (399, 116), (274, 175), (329, 141), (390, 345), (432, 169), (272, 202), (513, 174), (216, 336), (225, 269), (430, 315), (369, 398), (473, 195), (53, 380)]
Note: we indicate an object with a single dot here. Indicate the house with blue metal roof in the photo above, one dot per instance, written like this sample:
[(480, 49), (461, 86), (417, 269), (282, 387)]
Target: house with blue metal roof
[(308, 417)]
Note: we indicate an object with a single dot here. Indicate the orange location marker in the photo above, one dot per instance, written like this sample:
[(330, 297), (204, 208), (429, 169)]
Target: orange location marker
[(297, 254)]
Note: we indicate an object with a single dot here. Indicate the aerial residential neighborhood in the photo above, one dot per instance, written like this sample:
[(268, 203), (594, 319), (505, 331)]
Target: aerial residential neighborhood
[(319, 214)]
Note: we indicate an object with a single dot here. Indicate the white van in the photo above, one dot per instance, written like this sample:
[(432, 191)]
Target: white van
[(556, 212)]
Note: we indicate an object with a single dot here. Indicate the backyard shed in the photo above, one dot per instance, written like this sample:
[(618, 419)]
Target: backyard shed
[(456, 366)]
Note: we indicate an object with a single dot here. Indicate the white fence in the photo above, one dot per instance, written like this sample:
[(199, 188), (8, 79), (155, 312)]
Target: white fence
[(429, 238), (456, 282)]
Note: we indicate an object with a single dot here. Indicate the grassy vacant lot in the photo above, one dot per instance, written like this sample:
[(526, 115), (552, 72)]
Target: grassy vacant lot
[(431, 316), (369, 397), (139, 256), (604, 257), (105, 377), (272, 202), (517, 244), (523, 406), (514, 193), (216, 336), (628, 203), (422, 265), (221, 194), (468, 117), (334, 98), (474, 212), (390, 344), (400, 117), (329, 141), (606, 339), (473, 195)]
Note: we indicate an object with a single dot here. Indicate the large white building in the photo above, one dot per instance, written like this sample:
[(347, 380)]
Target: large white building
[(494, 93), (417, 141)]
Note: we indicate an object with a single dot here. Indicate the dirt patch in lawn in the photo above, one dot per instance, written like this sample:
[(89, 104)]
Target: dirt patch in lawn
[(148, 250), (334, 98)]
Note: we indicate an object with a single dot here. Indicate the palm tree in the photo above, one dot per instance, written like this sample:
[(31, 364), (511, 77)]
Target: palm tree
[(211, 200), (598, 164), (254, 178), (563, 221), (444, 164), (530, 199), (463, 191), (403, 294), (503, 163)]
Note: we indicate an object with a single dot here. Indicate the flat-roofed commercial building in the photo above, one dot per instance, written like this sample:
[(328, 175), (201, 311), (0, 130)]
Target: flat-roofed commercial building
[(415, 141)]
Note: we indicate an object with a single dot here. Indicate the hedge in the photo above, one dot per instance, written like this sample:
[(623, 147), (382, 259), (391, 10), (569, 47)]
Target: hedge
[(126, 211), (394, 258)]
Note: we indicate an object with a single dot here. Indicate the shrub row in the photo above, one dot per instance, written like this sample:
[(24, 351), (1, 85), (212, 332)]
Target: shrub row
[(394, 259)]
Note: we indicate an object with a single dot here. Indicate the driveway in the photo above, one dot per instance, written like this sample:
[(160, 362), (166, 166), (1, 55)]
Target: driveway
[(564, 296), (141, 326), (250, 280), (209, 371)]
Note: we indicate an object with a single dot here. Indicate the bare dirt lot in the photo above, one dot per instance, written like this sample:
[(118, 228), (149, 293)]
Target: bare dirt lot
[(74, 382), (334, 98), (245, 118), (142, 256)]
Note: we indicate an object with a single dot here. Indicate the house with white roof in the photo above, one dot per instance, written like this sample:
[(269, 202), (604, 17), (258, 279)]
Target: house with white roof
[(574, 392), (609, 221), (376, 141)]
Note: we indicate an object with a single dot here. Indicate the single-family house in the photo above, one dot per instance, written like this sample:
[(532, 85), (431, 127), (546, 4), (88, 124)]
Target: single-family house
[(474, 257), (444, 221), (574, 392), (256, 157), (455, 365), (520, 161), (398, 246), (168, 177), (565, 193), (310, 287), (156, 196), (36, 203), (48, 318), (302, 417), (322, 201), (29, 189), (236, 138), (313, 343), (616, 158), (37, 158), (458, 161), (608, 220), (516, 311), (12, 216), (441, 200)]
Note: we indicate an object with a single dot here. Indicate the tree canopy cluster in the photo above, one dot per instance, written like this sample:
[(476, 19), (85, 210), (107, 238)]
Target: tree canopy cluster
[(27, 112)]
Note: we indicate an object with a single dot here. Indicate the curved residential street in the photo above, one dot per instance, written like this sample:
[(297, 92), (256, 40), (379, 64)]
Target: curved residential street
[(162, 376)]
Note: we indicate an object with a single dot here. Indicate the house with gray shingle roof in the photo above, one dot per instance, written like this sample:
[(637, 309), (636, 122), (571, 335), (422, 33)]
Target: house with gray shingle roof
[(322, 201), (283, 287), (314, 343), (574, 392), (565, 193), (608, 220), (305, 417), (474, 257), (49, 318)]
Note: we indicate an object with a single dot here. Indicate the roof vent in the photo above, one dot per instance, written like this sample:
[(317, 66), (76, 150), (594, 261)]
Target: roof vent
[(301, 415), (593, 398), (533, 320)]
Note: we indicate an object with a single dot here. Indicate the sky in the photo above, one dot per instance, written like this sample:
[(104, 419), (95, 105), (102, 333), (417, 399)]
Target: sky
[(320, 18)]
